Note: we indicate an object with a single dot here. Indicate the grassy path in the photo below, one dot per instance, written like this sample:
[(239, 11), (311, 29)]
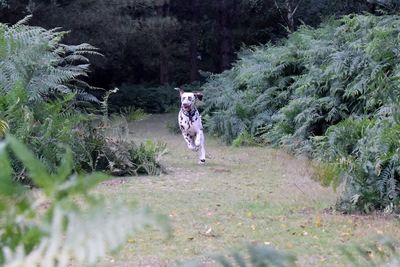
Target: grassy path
[(242, 195)]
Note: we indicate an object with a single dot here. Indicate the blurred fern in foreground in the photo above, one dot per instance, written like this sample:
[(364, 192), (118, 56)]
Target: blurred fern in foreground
[(256, 256), (66, 223)]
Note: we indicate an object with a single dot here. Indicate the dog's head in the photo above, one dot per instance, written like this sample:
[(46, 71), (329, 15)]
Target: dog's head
[(188, 99)]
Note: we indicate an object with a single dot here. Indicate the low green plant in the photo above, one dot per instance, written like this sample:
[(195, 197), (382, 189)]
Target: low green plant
[(66, 223), (122, 157), (133, 114), (244, 139), (327, 173)]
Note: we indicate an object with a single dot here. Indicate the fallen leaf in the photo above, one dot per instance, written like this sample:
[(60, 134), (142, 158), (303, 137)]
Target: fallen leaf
[(318, 221)]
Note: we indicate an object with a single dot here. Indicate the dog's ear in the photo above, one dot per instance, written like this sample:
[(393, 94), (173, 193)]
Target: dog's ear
[(180, 90), (198, 95)]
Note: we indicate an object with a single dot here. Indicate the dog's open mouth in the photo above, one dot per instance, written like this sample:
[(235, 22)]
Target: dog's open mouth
[(186, 107)]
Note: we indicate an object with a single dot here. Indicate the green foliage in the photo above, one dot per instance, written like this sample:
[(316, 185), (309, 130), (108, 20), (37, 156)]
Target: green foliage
[(244, 139), (133, 114), (123, 157), (42, 98), (34, 58), (66, 223), (3, 127), (331, 93)]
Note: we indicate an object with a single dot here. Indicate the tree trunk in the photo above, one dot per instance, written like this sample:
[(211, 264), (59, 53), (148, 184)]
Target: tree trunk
[(164, 70), (372, 8), (226, 42), (194, 40), (163, 11), (290, 15)]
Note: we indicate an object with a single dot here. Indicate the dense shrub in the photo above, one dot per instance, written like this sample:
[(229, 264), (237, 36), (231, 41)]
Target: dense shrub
[(330, 92), (44, 103)]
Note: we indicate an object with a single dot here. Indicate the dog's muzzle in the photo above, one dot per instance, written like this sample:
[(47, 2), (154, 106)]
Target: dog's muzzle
[(186, 107)]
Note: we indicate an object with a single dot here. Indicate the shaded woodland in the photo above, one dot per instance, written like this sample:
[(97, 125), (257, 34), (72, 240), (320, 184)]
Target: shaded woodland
[(172, 41)]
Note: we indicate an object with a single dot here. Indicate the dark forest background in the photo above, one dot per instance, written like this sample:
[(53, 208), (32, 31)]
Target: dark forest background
[(172, 42)]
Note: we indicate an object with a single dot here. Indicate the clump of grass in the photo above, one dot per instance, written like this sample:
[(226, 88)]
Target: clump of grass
[(133, 114), (244, 139), (326, 173)]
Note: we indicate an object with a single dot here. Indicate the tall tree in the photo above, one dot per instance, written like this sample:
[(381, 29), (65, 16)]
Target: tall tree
[(227, 12), (194, 40), (163, 13), (163, 41)]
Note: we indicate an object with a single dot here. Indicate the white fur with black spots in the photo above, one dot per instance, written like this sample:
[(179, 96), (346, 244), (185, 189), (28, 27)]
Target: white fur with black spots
[(190, 123)]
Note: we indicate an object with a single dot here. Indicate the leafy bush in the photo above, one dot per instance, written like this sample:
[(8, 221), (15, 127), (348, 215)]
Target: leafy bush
[(33, 58), (331, 93), (123, 157), (44, 101), (55, 229)]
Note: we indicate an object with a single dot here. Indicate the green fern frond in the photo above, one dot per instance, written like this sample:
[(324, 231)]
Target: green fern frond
[(34, 57), (3, 127), (87, 236)]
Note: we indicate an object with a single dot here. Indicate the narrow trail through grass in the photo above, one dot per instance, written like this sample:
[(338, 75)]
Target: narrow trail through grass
[(247, 194)]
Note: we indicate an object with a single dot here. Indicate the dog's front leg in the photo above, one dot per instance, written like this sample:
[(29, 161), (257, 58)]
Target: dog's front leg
[(189, 141), (199, 142)]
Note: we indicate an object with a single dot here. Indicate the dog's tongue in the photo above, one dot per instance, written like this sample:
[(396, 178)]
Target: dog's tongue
[(186, 107)]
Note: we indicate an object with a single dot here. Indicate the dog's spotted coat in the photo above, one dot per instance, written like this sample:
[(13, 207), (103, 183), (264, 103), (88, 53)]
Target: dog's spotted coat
[(190, 124)]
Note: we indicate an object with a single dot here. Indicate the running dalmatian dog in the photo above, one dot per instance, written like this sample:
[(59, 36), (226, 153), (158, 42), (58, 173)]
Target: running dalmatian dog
[(190, 123)]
